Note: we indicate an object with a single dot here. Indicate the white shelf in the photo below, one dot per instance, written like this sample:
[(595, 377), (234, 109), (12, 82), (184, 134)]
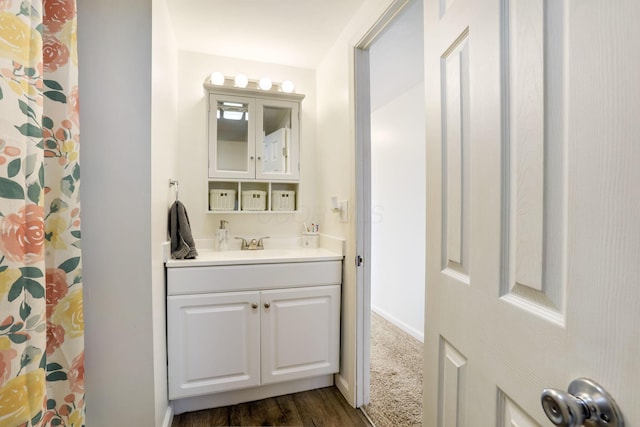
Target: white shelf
[(252, 185)]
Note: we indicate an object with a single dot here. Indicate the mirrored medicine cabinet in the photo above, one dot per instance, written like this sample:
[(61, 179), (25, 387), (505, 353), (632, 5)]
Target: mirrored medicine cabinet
[(254, 149)]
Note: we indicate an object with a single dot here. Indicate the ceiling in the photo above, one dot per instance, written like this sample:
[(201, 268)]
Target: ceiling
[(290, 32)]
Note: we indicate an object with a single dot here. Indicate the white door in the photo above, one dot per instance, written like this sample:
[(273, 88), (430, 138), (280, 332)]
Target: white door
[(300, 333), (274, 148), (533, 206)]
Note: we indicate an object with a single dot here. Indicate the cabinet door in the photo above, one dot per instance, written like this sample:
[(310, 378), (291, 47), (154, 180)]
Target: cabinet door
[(300, 333), (277, 140), (213, 342), (231, 137)]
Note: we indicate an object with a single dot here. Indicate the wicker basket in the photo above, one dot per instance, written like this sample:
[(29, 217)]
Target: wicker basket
[(222, 200), (283, 200), (254, 200)]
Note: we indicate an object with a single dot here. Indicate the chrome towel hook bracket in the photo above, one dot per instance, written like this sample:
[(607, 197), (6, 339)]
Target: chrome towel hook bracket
[(174, 183)]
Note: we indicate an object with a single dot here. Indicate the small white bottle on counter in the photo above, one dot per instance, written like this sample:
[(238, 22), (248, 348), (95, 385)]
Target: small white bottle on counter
[(222, 236)]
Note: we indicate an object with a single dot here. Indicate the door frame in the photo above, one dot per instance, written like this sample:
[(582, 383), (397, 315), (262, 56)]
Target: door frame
[(363, 197)]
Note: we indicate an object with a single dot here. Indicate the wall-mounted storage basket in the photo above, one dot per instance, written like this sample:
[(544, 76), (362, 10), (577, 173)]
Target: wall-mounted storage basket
[(254, 200), (222, 200), (283, 200)]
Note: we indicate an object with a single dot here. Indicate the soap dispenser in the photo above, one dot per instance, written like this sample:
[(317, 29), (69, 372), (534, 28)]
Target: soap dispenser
[(223, 235)]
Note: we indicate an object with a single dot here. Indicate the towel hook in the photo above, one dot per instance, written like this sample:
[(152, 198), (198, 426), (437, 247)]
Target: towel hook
[(174, 183)]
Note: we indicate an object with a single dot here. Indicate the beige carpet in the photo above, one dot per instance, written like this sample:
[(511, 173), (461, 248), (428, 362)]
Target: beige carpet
[(396, 376)]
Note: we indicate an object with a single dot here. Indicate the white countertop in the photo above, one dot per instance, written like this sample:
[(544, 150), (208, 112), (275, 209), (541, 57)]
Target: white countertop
[(276, 251), (266, 256)]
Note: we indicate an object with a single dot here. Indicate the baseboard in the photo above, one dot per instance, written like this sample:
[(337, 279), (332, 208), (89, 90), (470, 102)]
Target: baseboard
[(233, 397), (399, 324), (168, 417)]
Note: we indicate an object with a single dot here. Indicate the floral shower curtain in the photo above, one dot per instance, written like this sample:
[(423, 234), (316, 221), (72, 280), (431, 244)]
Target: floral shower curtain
[(41, 314)]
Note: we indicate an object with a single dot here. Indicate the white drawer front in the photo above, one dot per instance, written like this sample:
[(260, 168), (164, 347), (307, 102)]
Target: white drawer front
[(190, 280)]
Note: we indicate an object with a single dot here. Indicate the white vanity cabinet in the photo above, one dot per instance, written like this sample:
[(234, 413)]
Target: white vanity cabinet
[(239, 326)]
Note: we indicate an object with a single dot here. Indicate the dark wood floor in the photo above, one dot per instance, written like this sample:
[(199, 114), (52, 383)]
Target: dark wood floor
[(322, 407)]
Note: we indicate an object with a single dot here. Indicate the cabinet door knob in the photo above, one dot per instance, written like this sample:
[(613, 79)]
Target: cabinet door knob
[(267, 305), (254, 305)]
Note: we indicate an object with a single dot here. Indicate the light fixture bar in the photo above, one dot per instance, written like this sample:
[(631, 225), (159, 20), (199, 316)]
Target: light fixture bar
[(242, 81)]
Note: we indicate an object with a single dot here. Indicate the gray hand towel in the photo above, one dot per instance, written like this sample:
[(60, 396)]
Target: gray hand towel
[(182, 244)]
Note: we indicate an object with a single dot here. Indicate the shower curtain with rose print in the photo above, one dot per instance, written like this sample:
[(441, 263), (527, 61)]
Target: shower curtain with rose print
[(41, 315)]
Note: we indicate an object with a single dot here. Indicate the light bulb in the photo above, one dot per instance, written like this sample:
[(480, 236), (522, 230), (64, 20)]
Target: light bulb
[(241, 80), (265, 83), (287, 86), (217, 78)]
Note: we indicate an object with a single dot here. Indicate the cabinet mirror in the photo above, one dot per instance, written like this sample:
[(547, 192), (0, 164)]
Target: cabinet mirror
[(276, 140), (232, 135), (253, 137)]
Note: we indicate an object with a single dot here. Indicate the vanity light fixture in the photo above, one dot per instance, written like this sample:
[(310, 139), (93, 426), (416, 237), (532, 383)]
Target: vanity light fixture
[(265, 83), (217, 78), (287, 86), (241, 80)]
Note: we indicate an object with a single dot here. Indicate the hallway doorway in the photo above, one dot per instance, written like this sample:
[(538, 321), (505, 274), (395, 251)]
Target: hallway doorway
[(391, 188)]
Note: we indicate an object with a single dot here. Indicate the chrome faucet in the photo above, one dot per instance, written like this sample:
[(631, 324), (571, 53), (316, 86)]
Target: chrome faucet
[(253, 244)]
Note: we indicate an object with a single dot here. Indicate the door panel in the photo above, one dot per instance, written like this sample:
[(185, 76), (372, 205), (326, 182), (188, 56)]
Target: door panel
[(510, 414), (452, 387), (300, 333), (532, 191), (533, 36), (455, 153), (213, 342)]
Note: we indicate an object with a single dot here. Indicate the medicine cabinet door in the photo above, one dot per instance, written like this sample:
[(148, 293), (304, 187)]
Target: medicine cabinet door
[(231, 137), (277, 136)]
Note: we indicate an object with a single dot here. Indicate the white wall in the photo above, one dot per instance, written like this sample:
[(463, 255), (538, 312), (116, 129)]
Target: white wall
[(194, 68), (164, 165), (124, 207), (398, 171)]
